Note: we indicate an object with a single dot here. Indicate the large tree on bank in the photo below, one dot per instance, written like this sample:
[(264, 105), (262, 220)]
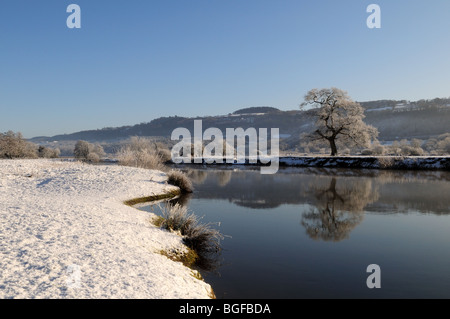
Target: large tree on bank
[(338, 119)]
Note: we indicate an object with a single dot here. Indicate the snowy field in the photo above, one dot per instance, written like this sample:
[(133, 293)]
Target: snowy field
[(65, 233)]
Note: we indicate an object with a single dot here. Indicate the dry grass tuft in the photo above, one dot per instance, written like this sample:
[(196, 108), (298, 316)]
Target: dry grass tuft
[(200, 237), (178, 178)]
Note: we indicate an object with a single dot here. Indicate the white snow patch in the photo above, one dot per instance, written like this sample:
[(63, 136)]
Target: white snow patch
[(380, 109), (59, 216)]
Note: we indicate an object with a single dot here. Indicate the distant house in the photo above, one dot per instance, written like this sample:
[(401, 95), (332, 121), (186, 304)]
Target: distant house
[(402, 106)]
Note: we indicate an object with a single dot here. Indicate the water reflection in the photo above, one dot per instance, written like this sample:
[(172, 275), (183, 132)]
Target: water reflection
[(197, 176), (373, 190), (224, 177), (337, 198), (182, 200), (310, 233), (339, 209)]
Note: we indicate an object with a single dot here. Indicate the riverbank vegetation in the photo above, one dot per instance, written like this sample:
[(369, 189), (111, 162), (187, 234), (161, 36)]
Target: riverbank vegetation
[(199, 237), (85, 151), (143, 153), (178, 178), (14, 145)]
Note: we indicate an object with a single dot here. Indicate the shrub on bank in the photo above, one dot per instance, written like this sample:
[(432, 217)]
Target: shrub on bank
[(13, 145), (140, 158), (86, 151), (45, 152), (140, 152), (178, 178), (198, 236)]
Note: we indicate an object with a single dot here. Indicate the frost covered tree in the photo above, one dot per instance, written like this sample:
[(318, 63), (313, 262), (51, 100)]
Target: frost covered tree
[(142, 152), (13, 145), (88, 152), (46, 152), (444, 144), (338, 119), (81, 150)]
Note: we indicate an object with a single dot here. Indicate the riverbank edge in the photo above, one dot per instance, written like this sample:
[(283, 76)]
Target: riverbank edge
[(153, 198), (160, 197), (356, 162), (53, 175)]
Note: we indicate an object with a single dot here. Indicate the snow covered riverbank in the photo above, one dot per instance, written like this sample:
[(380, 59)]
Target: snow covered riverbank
[(66, 233)]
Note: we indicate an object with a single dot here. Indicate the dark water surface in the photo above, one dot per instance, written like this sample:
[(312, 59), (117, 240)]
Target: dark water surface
[(311, 233)]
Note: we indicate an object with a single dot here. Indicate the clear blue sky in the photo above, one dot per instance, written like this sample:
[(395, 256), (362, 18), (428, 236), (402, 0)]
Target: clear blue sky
[(133, 61)]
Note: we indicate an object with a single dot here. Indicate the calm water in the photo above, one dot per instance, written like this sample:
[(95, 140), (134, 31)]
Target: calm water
[(311, 233)]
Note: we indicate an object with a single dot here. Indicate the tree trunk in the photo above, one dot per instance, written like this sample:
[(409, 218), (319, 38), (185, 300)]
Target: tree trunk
[(333, 146)]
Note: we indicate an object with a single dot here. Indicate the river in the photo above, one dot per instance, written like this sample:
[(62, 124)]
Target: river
[(312, 233)]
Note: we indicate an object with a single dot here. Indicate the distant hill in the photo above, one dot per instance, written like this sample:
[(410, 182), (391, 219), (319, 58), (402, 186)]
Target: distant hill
[(395, 120), (257, 110)]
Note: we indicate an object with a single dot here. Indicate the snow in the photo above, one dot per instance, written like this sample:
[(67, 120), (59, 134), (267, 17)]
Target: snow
[(379, 109), (65, 233)]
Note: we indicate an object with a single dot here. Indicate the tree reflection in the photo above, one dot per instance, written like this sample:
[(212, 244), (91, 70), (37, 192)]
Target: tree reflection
[(197, 176), (339, 208), (223, 178), (182, 200)]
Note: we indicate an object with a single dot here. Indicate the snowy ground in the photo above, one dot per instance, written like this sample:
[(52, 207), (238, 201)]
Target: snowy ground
[(65, 233)]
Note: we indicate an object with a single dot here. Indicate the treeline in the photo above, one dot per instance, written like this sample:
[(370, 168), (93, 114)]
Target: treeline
[(436, 146), (13, 145), (257, 109), (139, 152), (438, 102), (433, 103)]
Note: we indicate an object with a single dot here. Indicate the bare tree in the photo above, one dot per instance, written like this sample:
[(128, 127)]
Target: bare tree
[(338, 119)]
